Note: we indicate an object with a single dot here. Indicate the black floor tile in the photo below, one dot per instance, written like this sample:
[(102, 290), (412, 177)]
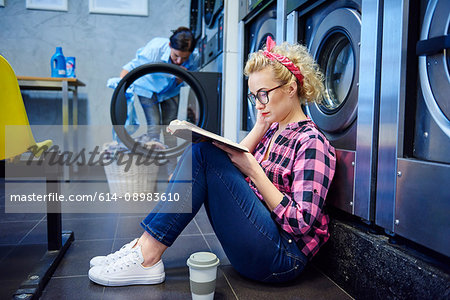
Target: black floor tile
[(38, 235), (191, 229), (9, 287), (76, 260), (12, 217), (76, 216), (5, 250), (129, 227), (176, 286), (69, 288), (12, 232), (92, 229), (81, 227), (310, 285), (203, 222), (20, 261), (223, 289), (177, 255)]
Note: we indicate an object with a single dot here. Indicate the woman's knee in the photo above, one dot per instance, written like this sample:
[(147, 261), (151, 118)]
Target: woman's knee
[(206, 150), (210, 156)]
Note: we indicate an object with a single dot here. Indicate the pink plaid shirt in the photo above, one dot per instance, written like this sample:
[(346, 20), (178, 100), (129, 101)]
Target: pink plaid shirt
[(301, 165)]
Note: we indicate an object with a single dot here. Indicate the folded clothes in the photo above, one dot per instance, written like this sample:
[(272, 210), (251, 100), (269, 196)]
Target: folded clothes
[(113, 148)]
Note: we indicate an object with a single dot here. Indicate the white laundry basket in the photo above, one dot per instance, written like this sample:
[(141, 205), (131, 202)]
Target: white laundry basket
[(131, 178)]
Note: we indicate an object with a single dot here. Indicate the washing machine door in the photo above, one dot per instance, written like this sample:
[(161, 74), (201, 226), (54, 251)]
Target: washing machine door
[(196, 110), (335, 46), (434, 68), (264, 26)]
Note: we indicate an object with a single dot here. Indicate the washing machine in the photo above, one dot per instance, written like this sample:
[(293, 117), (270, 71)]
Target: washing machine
[(331, 30), (212, 39), (332, 33), (413, 200), (260, 21), (207, 24), (196, 26), (195, 19)]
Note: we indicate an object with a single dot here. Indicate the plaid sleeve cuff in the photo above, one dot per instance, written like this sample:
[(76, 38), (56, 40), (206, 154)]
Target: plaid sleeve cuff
[(279, 210)]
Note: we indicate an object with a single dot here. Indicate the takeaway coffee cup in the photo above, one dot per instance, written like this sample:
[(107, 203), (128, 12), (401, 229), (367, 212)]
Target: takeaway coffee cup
[(202, 274)]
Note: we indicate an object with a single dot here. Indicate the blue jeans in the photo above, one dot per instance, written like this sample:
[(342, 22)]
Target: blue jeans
[(157, 114), (253, 242)]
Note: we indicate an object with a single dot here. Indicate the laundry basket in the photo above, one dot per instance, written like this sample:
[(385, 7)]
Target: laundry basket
[(126, 179)]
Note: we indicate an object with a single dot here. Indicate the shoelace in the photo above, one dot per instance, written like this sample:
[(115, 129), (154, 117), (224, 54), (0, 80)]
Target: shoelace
[(119, 253), (130, 259)]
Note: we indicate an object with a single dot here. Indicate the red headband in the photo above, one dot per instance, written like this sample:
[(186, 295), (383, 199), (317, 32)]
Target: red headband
[(282, 59)]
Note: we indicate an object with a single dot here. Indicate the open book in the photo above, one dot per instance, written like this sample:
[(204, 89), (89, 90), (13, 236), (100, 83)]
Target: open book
[(191, 132)]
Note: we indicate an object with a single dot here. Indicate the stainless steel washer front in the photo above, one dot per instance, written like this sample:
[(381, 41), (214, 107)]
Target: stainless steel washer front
[(412, 198), (335, 45)]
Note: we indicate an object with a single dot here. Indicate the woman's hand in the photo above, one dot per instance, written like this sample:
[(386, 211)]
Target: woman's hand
[(262, 122), (244, 161), (256, 134), (248, 165)]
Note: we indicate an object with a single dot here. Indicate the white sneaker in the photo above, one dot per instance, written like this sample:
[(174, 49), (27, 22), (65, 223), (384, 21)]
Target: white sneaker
[(128, 271), (110, 258)]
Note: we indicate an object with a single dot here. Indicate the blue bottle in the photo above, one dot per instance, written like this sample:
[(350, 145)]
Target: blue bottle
[(58, 63)]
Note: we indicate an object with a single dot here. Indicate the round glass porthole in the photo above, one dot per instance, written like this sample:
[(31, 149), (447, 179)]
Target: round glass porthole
[(337, 61), (434, 69), (192, 106), (335, 46)]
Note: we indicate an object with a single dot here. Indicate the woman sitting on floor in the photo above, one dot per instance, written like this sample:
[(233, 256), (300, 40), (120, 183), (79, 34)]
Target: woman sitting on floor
[(267, 206)]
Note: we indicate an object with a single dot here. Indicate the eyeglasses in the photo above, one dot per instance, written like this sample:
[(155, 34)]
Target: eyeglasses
[(262, 96)]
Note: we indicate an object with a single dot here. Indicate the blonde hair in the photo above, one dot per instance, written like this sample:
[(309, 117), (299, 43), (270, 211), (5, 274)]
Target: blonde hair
[(311, 89)]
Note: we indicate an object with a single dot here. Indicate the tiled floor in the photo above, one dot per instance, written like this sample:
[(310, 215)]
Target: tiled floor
[(23, 238)]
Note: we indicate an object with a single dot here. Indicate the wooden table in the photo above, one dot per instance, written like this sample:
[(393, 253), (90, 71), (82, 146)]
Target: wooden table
[(56, 84)]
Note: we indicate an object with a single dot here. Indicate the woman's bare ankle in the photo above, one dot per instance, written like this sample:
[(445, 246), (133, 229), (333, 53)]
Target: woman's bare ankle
[(151, 248)]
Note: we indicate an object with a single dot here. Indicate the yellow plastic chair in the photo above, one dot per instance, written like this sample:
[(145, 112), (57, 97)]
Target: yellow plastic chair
[(15, 140)]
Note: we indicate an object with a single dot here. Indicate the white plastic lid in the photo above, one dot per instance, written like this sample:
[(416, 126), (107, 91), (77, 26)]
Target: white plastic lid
[(203, 260)]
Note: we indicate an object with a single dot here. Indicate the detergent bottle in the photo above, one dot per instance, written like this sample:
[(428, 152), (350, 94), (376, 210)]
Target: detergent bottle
[(58, 63)]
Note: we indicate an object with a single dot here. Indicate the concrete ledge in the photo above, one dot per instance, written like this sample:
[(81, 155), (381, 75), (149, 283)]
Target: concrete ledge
[(367, 266)]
